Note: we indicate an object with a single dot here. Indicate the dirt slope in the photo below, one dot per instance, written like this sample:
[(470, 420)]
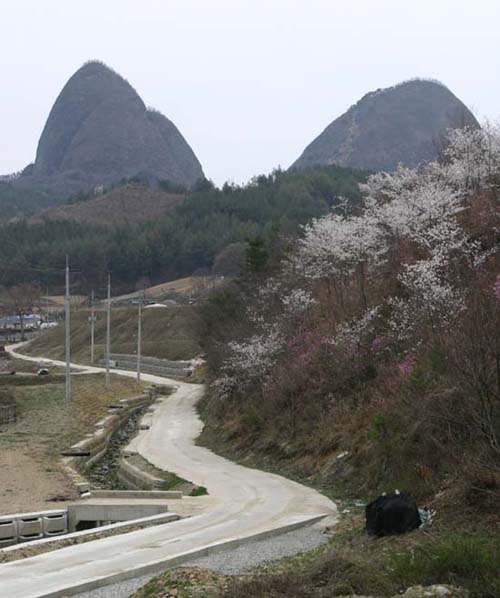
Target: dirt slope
[(131, 204)]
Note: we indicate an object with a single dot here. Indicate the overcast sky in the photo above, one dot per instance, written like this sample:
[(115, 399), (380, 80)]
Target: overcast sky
[(249, 83)]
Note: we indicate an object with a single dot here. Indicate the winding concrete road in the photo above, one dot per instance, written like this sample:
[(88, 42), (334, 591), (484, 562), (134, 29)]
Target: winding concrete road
[(243, 503)]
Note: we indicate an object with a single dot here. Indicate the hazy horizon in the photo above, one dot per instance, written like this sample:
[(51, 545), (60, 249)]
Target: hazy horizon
[(250, 84)]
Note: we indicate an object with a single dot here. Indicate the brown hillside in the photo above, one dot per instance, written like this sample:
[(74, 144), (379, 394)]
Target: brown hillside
[(131, 204)]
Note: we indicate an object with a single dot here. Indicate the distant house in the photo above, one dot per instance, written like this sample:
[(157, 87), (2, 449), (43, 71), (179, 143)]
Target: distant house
[(30, 321)]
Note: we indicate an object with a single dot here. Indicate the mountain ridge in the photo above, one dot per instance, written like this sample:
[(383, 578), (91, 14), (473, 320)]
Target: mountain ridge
[(405, 123), (99, 131)]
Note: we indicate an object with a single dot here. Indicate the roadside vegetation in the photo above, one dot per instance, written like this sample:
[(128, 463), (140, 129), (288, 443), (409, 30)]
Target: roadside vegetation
[(363, 357), (352, 564)]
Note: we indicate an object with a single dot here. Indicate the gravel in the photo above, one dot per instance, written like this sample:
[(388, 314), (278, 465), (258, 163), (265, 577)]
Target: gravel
[(231, 560)]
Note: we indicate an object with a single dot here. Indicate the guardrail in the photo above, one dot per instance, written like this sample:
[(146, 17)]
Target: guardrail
[(151, 365)]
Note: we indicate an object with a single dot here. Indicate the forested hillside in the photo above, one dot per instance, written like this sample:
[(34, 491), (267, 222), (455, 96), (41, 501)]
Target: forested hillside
[(191, 237), (17, 202)]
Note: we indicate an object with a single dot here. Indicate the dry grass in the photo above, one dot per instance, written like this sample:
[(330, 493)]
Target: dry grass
[(131, 204), (182, 287), (168, 333), (30, 448)]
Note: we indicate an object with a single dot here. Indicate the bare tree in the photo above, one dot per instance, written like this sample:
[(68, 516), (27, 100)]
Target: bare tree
[(20, 299)]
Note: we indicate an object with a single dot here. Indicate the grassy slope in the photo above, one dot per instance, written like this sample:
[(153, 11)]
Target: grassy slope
[(167, 333), (181, 287)]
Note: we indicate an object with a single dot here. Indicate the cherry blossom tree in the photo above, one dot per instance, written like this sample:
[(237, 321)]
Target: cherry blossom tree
[(411, 230)]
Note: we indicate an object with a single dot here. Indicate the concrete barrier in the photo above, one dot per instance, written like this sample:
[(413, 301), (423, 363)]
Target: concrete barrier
[(8, 531), (128, 525), (25, 527), (107, 513), (29, 528), (145, 494), (55, 524)]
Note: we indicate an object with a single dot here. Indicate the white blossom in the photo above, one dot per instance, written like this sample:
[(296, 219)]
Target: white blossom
[(336, 244), (411, 204), (431, 295), (350, 334), (472, 156), (254, 357), (298, 300)]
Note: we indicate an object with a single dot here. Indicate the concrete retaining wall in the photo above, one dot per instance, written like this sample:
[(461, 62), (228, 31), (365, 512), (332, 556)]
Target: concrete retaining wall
[(136, 478), (95, 445), (25, 527), (137, 494)]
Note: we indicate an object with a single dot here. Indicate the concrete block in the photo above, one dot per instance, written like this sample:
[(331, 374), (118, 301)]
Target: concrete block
[(82, 487), (55, 524), (8, 531), (30, 527), (8, 542)]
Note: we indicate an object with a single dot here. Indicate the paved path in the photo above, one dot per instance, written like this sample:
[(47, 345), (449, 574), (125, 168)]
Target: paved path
[(243, 503)]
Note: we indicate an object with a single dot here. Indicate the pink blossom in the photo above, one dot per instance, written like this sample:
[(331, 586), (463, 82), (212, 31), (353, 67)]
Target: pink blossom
[(496, 288), (407, 366)]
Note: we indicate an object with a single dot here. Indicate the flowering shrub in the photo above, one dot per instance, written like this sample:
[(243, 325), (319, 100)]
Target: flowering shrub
[(407, 366), (496, 288), (298, 301), (254, 358), (399, 269), (327, 344)]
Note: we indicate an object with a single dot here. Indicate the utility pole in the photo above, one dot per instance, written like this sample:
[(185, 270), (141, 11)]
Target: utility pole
[(108, 331), (92, 324), (68, 335), (139, 340)]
